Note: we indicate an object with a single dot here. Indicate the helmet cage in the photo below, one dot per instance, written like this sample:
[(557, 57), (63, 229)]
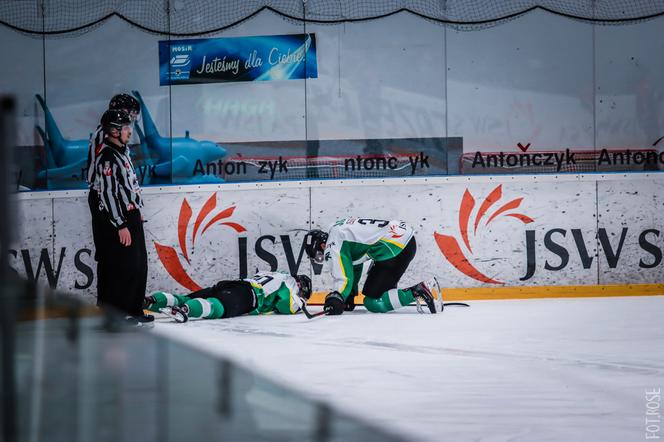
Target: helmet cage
[(304, 282)]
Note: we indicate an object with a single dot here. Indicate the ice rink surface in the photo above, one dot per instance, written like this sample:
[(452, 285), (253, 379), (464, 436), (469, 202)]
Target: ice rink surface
[(517, 370)]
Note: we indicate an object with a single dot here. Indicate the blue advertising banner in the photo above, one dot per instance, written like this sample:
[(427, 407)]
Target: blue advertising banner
[(259, 58)]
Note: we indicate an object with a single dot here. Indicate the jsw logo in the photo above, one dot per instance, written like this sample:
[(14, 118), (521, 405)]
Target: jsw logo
[(180, 267), (169, 256), (557, 250), (449, 245), (559, 247)]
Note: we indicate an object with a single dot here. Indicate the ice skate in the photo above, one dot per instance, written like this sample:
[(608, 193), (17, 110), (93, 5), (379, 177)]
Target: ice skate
[(141, 321), (423, 296), (145, 319), (179, 314)]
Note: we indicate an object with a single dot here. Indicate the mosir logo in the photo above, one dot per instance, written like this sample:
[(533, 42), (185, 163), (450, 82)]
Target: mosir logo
[(449, 245), (169, 256)]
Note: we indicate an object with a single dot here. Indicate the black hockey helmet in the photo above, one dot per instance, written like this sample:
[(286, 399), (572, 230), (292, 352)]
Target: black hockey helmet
[(305, 285), (313, 241), (115, 118), (125, 102)]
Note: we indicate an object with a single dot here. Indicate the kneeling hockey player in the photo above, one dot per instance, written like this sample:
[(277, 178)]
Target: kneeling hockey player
[(352, 241), (266, 292)]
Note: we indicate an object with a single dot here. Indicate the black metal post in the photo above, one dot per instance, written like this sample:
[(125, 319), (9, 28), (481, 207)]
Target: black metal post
[(7, 289)]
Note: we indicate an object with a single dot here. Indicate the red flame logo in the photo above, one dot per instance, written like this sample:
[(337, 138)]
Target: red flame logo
[(169, 256), (395, 234), (449, 245)]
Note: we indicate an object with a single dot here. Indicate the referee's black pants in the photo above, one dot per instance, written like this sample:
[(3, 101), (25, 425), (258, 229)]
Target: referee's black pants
[(97, 217), (98, 220), (122, 272)]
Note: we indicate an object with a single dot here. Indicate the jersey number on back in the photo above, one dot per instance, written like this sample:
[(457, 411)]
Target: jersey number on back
[(262, 280), (378, 222)]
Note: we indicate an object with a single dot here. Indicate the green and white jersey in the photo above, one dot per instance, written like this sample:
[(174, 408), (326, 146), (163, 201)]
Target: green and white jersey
[(275, 292), (352, 241)]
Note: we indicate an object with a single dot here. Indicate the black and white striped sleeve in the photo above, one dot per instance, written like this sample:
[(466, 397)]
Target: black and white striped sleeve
[(111, 189), (94, 145)]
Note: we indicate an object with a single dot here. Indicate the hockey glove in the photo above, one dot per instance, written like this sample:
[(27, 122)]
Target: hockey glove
[(334, 303)]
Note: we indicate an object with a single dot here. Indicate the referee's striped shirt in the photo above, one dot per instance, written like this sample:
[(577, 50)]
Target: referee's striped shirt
[(94, 148), (119, 191)]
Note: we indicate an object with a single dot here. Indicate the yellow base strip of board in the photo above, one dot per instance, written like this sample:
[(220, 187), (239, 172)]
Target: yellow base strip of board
[(533, 292)]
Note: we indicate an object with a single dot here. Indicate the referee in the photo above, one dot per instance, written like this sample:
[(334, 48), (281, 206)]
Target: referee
[(123, 102), (118, 102), (122, 257)]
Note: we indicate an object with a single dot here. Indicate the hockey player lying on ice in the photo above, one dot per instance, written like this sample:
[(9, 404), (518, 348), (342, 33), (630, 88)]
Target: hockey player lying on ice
[(352, 241), (266, 292)]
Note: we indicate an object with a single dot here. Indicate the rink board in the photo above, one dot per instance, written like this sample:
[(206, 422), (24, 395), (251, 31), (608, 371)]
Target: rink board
[(531, 292), (481, 237)]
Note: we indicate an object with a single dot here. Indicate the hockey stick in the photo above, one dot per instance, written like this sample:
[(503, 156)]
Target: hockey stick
[(462, 304), (311, 315), (444, 304)]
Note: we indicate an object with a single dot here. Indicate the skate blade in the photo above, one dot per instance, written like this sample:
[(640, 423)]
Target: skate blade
[(177, 316), (434, 288), (418, 306), (423, 308)]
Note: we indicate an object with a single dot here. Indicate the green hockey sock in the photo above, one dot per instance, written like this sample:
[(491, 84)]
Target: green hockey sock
[(391, 300), (165, 299), (206, 308)]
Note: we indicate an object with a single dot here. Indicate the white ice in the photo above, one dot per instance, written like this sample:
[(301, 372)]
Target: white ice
[(518, 370)]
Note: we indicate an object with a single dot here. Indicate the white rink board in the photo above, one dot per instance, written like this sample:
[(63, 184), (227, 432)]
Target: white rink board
[(33, 235), (216, 254), (636, 207), (499, 248), (264, 226), (34, 224), (73, 237)]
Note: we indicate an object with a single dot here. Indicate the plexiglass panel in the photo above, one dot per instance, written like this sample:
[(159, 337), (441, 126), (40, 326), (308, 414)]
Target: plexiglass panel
[(81, 376), (630, 87), (395, 96), (83, 72), (526, 81), (380, 95), (23, 77), (238, 122)]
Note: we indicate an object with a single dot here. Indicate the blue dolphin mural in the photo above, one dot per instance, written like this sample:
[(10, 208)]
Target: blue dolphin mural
[(177, 155), (66, 159)]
